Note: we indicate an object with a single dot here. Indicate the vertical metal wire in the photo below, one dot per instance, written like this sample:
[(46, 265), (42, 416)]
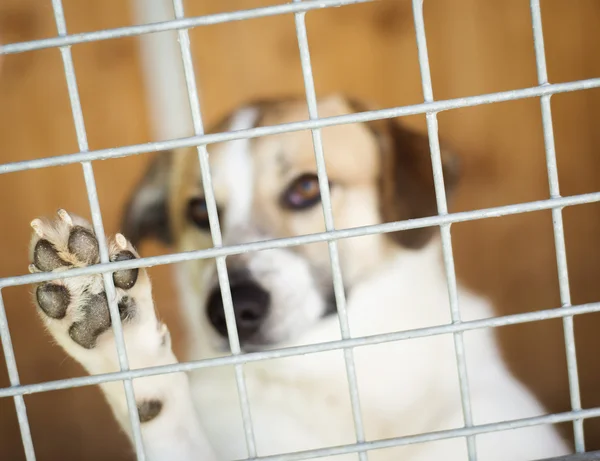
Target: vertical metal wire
[(215, 229), (13, 377), (440, 193), (557, 223), (98, 228), (338, 283)]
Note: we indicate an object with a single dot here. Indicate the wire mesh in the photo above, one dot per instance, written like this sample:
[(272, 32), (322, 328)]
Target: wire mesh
[(430, 107)]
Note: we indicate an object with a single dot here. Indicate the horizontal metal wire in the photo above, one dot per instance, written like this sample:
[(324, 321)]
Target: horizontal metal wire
[(359, 117), (492, 322), (434, 436), (417, 223), (183, 23), (589, 456)]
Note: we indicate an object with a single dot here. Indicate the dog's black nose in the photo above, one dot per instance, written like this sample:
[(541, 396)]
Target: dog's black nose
[(250, 305)]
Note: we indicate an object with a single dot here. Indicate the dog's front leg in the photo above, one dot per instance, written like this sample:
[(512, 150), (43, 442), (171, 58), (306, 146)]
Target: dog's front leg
[(75, 312)]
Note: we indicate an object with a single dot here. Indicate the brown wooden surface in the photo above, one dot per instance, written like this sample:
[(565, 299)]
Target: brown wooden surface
[(476, 46)]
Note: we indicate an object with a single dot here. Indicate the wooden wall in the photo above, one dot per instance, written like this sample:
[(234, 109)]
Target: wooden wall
[(476, 46)]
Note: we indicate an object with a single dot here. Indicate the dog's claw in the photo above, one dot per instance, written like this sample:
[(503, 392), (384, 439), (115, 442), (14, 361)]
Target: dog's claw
[(65, 217), (121, 241), (36, 224)]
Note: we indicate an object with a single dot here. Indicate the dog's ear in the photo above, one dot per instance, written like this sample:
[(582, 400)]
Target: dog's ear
[(406, 179), (146, 214)]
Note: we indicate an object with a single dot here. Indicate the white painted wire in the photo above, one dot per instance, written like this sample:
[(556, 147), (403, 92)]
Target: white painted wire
[(442, 206), (92, 194), (557, 224), (492, 322), (429, 107), (336, 271), (185, 23), (13, 378), (327, 236), (193, 141), (215, 229)]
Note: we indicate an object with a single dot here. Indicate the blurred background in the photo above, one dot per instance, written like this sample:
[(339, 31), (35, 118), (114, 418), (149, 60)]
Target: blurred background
[(368, 51)]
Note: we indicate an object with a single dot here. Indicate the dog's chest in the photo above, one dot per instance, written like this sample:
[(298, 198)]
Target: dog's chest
[(303, 403), (289, 412)]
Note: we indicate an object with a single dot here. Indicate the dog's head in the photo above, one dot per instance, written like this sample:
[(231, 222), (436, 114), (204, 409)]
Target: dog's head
[(267, 188)]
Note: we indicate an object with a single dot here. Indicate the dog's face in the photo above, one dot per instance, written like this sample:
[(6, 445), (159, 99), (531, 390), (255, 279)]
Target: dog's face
[(268, 188)]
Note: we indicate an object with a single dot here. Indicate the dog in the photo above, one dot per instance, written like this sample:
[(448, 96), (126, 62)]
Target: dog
[(268, 188)]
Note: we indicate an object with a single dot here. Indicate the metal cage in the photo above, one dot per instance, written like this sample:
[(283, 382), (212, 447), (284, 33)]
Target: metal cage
[(544, 90)]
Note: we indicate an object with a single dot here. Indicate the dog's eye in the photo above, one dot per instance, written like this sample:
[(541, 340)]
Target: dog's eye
[(198, 213), (303, 192)]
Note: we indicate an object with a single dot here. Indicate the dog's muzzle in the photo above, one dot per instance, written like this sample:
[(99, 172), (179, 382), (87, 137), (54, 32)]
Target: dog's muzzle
[(250, 306)]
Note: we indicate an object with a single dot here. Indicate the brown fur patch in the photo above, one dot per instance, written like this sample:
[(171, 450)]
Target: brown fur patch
[(406, 178), (407, 190)]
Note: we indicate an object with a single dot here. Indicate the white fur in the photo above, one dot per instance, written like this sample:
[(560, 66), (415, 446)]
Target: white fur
[(148, 344), (302, 403), (237, 170), (406, 387)]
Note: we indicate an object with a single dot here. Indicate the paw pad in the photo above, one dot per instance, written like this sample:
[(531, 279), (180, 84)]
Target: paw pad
[(96, 320), (79, 305), (127, 278), (127, 308), (46, 257), (53, 300), (83, 244)]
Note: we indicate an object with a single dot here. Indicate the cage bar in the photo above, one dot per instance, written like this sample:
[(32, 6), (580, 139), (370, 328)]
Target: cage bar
[(184, 23), (90, 184), (492, 322), (336, 270), (590, 456), (215, 229), (442, 206), (337, 234), (557, 224), (359, 117), (13, 377)]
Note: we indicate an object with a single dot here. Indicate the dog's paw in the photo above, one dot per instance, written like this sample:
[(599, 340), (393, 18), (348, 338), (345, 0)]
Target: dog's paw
[(76, 313), (75, 310)]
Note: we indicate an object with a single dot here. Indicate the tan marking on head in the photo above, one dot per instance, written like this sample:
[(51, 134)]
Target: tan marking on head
[(407, 189), (378, 172), (406, 176), (350, 150)]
